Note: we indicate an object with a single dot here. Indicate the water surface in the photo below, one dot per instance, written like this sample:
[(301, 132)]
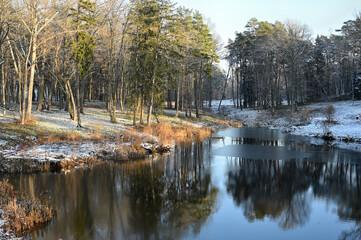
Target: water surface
[(248, 184)]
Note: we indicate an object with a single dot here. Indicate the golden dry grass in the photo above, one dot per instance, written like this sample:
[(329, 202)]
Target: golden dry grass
[(58, 137), (167, 132), (74, 136), (21, 214)]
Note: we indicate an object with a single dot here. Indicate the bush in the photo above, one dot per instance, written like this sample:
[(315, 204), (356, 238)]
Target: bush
[(329, 113), (306, 114)]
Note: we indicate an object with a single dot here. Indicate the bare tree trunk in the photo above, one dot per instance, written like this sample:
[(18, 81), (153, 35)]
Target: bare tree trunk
[(184, 80), (134, 112), (150, 108), (23, 94), (3, 87), (32, 76), (70, 100), (121, 99), (210, 93), (112, 111), (90, 88), (141, 103), (224, 90), (51, 89), (177, 98), (41, 99), (78, 96), (233, 97), (82, 91), (196, 89)]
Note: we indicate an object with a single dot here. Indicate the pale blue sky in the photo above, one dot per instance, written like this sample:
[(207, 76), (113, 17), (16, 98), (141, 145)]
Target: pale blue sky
[(229, 16)]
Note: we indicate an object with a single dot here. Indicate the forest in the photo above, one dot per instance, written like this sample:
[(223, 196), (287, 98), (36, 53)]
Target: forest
[(143, 55), (272, 63)]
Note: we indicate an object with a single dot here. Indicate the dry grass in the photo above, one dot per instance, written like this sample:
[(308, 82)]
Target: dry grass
[(59, 137), (97, 132), (44, 138), (167, 132), (21, 214), (228, 123), (132, 136)]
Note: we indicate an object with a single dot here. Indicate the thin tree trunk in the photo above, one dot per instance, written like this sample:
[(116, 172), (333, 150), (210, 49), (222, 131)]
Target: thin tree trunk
[(51, 89), (90, 88), (196, 95), (82, 92), (3, 86), (177, 100), (224, 91), (32, 76), (41, 99), (23, 96), (78, 96)]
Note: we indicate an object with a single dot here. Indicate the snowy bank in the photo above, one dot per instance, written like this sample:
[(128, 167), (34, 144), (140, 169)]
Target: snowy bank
[(309, 121)]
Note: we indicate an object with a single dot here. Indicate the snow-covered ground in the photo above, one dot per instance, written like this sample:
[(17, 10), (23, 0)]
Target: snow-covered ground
[(308, 121), (94, 119), (61, 151)]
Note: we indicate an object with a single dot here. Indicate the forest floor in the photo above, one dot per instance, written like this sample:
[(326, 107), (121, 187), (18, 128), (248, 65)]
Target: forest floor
[(310, 120)]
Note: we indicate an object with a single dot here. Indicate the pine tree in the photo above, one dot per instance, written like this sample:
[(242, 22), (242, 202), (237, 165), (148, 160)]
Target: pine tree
[(83, 43)]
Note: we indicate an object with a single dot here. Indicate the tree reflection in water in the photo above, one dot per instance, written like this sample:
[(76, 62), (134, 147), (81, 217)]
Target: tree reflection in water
[(155, 199), (284, 190), (354, 234), (172, 197), (165, 195)]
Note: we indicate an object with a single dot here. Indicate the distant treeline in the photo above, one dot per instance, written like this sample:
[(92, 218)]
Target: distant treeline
[(275, 62)]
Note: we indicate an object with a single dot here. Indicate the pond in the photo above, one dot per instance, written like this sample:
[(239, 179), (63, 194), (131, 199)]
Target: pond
[(248, 183)]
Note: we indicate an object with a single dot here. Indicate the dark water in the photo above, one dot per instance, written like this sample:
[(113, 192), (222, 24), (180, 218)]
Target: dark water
[(251, 184)]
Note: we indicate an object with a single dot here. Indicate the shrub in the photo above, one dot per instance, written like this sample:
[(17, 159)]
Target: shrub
[(329, 113), (305, 114)]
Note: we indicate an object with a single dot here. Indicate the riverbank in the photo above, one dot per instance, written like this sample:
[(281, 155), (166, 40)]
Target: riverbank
[(317, 120), (53, 142), (19, 214)]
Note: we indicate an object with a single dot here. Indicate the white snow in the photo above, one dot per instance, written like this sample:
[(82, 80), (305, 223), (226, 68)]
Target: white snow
[(61, 151), (347, 116)]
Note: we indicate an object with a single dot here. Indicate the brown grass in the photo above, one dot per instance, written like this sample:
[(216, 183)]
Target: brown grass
[(228, 123), (21, 214), (74, 136), (96, 133), (132, 136), (59, 137), (166, 132)]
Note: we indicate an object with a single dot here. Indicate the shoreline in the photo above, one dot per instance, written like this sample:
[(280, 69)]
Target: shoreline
[(344, 129), (53, 142), (26, 149)]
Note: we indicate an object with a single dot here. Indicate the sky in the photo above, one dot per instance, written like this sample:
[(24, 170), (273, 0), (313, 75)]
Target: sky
[(228, 16)]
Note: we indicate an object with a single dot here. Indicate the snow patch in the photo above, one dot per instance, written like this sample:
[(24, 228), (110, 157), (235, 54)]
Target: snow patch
[(347, 116)]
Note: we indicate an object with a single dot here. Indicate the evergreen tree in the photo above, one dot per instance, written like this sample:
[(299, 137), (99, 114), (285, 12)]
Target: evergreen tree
[(82, 44)]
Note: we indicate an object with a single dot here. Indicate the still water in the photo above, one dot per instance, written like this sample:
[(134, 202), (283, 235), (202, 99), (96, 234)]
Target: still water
[(247, 183)]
